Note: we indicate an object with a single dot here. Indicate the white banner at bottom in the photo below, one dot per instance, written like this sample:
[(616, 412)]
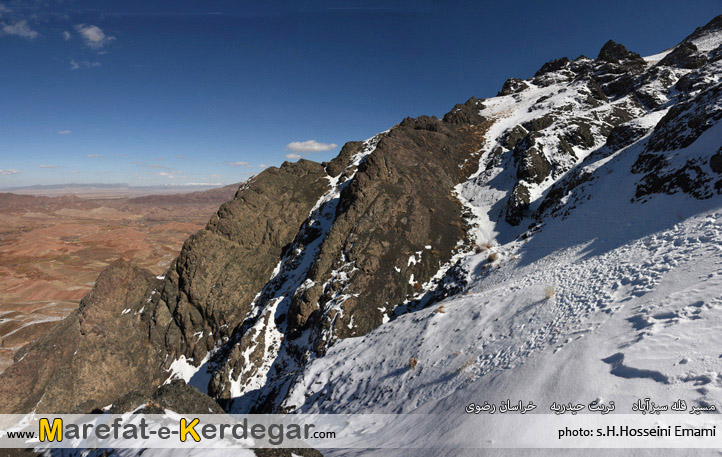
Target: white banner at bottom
[(360, 431)]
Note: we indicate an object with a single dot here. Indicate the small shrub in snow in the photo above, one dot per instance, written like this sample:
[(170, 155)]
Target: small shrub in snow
[(548, 292), (493, 257), (441, 309), (413, 361)]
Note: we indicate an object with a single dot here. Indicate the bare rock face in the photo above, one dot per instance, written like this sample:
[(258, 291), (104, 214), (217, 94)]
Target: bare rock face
[(685, 55), (399, 202), (366, 250), (339, 163), (532, 164), (176, 396), (623, 135), (683, 124), (518, 203), (92, 357), (686, 121), (210, 288)]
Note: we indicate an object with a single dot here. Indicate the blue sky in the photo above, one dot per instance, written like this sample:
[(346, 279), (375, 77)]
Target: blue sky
[(175, 92)]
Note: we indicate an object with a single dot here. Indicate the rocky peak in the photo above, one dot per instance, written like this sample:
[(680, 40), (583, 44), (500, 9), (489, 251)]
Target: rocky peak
[(614, 52)]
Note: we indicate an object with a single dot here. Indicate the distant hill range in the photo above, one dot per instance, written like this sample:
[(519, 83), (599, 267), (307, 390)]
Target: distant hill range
[(111, 190)]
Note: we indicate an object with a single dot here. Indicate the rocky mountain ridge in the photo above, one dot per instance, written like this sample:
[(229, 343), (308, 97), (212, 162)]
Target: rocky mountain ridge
[(310, 254)]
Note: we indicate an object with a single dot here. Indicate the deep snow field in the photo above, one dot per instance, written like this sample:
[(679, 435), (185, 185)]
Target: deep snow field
[(618, 301)]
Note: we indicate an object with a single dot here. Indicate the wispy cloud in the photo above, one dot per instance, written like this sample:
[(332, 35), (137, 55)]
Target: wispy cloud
[(94, 155), (293, 156), (64, 132), (310, 146), (75, 65), (49, 166), (3, 9), (237, 164), (170, 174), (66, 35), (9, 172), (19, 28), (93, 36)]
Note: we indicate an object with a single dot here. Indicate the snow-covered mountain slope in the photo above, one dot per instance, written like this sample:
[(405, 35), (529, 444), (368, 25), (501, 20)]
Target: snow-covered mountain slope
[(557, 242), (626, 304), (593, 178)]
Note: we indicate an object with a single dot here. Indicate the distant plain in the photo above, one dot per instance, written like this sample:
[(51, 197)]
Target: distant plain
[(52, 248)]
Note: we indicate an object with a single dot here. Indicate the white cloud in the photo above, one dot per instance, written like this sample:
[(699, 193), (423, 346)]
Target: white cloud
[(169, 174), (93, 155), (262, 165), (293, 156), (20, 28), (64, 132), (9, 172), (93, 36), (237, 164), (3, 9), (66, 35), (49, 166), (75, 65), (310, 146)]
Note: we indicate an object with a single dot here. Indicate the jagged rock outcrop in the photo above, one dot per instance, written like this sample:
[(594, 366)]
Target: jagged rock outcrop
[(210, 287), (532, 165), (512, 86), (686, 55), (624, 134), (399, 203), (176, 396), (93, 356), (679, 129), (518, 203), (395, 205), (614, 52), (553, 65)]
